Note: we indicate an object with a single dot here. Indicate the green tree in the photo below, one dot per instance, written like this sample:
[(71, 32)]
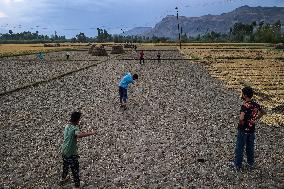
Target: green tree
[(239, 32), (268, 33), (81, 38)]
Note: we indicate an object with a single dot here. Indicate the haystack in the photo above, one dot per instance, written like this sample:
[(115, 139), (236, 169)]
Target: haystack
[(99, 51), (117, 49), (92, 48), (47, 45), (51, 45)]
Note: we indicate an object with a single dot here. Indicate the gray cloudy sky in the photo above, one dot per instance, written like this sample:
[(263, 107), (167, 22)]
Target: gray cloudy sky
[(69, 17)]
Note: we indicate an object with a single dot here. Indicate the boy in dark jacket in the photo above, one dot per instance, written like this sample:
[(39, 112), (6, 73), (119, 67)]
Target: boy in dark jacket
[(249, 114)]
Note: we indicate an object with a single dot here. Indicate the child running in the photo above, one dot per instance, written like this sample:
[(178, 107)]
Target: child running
[(70, 149)]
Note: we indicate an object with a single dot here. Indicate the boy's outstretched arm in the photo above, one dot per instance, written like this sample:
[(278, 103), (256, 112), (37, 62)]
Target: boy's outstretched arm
[(261, 113), (84, 134)]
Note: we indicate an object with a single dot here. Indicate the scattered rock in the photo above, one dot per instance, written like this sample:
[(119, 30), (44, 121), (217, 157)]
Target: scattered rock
[(182, 115)]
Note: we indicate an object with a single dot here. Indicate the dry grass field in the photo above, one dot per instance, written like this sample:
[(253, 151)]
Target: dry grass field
[(7, 50), (257, 65)]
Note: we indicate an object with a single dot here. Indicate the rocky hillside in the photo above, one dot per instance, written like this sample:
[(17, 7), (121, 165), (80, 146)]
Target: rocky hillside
[(193, 26)]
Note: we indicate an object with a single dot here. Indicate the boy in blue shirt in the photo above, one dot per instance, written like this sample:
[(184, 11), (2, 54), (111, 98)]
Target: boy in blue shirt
[(40, 55), (123, 86)]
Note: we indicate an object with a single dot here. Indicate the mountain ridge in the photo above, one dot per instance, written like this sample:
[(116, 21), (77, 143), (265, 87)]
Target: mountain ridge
[(194, 26)]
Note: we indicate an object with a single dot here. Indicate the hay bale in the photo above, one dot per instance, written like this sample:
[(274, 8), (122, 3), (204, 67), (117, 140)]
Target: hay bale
[(117, 49), (51, 45), (47, 45), (279, 46), (91, 49), (99, 51)]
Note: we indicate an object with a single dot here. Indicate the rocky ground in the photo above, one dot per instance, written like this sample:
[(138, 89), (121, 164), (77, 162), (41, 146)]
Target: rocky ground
[(178, 132)]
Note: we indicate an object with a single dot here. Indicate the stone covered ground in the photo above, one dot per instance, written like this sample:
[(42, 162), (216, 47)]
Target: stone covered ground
[(179, 130)]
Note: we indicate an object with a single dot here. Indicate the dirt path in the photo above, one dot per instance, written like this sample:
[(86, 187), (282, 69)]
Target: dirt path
[(181, 115)]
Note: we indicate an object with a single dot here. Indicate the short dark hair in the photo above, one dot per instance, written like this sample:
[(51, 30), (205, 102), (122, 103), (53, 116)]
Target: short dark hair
[(248, 91), (75, 117), (135, 76)]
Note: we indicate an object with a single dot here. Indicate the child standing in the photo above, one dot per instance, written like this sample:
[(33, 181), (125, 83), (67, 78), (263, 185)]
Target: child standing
[(67, 55), (69, 148), (123, 86), (142, 57), (40, 55), (249, 114), (159, 57)]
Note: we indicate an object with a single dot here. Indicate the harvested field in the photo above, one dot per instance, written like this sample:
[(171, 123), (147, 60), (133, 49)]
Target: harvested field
[(178, 132), (21, 71), (7, 50), (260, 66)]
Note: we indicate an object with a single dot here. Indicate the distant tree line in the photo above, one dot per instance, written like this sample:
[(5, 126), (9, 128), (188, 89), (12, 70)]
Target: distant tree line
[(29, 37), (239, 32), (254, 33)]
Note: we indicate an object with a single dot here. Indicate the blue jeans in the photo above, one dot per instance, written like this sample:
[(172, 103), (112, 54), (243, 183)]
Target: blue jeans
[(122, 94), (244, 139)]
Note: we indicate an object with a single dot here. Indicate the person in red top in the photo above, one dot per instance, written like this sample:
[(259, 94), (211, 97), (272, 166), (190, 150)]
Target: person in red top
[(250, 112), (142, 57)]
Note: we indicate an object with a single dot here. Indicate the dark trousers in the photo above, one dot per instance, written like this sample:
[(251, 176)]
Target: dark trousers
[(244, 139), (122, 94), (73, 163), (142, 60)]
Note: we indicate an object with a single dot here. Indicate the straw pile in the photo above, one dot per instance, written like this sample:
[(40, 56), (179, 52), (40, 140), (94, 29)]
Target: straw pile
[(99, 51), (117, 49)]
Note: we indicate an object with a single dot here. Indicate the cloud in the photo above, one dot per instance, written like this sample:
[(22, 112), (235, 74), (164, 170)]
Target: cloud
[(8, 2), (3, 15), (80, 15)]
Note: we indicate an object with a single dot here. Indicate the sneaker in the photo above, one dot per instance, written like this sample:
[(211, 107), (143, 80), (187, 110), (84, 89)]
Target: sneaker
[(234, 167), (64, 181)]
